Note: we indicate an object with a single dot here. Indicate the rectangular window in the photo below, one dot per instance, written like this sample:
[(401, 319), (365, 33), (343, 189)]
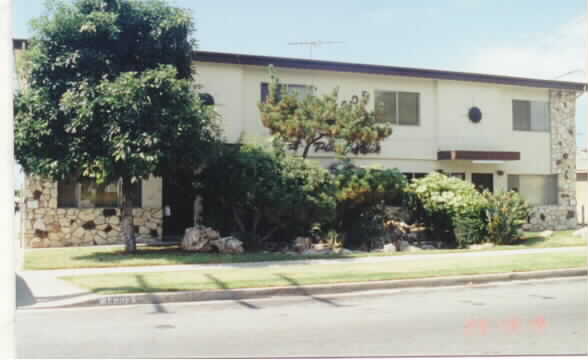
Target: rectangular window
[(88, 194), (582, 177), (536, 189), (530, 115), (300, 91), (400, 108), (410, 176), (67, 196)]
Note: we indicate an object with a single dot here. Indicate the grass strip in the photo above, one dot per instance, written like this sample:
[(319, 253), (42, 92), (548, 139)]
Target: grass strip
[(296, 275), (103, 257)]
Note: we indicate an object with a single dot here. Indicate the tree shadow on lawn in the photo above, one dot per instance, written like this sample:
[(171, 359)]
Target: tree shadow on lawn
[(176, 256)]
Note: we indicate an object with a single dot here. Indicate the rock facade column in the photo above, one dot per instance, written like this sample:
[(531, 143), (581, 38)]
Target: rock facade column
[(563, 164)]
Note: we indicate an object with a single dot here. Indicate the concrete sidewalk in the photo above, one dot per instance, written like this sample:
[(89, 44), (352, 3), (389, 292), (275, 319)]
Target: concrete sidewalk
[(43, 288)]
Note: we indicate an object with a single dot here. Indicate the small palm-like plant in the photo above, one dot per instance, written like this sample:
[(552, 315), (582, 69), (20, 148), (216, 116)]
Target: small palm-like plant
[(506, 214)]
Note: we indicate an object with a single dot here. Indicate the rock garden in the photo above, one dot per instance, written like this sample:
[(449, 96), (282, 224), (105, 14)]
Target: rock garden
[(259, 200)]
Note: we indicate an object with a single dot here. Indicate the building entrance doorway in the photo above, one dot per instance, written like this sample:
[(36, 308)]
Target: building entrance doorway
[(483, 181)]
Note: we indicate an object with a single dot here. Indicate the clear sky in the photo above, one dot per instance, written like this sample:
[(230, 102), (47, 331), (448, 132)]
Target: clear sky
[(529, 38)]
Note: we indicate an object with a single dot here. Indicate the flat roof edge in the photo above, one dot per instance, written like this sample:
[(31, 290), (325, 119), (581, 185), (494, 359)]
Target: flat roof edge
[(307, 64)]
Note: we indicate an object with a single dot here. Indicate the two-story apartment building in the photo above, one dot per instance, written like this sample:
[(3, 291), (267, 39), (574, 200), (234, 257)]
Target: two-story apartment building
[(501, 133)]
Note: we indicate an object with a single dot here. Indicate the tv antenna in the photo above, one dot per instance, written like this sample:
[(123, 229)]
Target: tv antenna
[(314, 44)]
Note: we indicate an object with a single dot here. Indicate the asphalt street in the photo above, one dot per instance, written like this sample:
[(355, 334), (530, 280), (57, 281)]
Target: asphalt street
[(532, 317)]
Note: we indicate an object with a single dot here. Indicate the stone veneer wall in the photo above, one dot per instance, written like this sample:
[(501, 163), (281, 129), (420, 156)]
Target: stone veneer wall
[(45, 225), (563, 163)]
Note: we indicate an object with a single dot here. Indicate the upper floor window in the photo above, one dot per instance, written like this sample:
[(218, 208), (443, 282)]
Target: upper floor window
[(530, 115), (300, 91), (400, 108), (89, 194)]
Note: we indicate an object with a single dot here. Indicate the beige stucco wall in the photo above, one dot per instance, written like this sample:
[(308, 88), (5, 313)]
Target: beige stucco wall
[(443, 115)]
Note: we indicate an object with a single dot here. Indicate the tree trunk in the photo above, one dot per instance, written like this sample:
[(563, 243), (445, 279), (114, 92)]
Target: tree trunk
[(198, 210), (126, 218), (306, 149)]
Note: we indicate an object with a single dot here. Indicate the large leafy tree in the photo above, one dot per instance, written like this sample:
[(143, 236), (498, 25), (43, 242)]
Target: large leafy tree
[(322, 122), (110, 96)]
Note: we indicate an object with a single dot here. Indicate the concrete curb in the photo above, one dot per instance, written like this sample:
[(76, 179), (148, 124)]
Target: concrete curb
[(256, 293)]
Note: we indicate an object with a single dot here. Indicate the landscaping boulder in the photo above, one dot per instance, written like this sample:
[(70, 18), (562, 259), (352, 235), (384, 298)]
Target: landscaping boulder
[(389, 248), (302, 244), (581, 232), (317, 252), (546, 233), (199, 238), (428, 246), (342, 251), (228, 245)]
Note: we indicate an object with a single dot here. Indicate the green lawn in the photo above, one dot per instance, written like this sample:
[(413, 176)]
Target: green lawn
[(95, 257), (295, 275)]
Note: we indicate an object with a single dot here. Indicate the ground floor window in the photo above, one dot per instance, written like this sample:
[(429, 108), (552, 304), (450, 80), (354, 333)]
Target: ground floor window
[(88, 194), (536, 189), (410, 176)]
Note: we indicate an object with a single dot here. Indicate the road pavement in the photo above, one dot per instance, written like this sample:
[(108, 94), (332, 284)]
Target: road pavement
[(531, 317)]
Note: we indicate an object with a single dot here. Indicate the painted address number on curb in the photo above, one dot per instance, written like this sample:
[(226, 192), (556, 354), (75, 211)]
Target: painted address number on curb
[(117, 300)]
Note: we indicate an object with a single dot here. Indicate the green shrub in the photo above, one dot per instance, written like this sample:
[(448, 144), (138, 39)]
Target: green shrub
[(362, 195), (506, 214), (263, 196), (469, 230), (451, 208)]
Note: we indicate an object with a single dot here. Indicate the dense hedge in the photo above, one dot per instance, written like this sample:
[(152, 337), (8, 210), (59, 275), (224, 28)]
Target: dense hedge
[(262, 195), (362, 195), (459, 215)]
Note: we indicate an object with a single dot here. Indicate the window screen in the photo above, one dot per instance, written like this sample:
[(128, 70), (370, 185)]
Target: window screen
[(408, 108), (536, 189), (400, 108), (98, 195), (106, 195), (385, 107), (530, 115), (135, 193), (300, 91), (92, 195), (66, 194)]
